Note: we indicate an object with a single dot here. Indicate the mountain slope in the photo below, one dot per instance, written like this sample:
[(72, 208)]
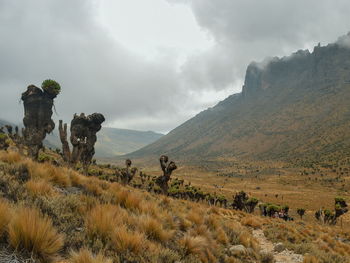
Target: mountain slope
[(289, 108)]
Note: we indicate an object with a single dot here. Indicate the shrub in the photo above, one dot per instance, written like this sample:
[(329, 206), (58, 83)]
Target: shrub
[(271, 209), (250, 204), (33, 232), (50, 86), (43, 157), (301, 212)]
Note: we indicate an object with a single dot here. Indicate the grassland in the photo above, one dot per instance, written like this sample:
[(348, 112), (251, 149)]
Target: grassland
[(311, 188), (56, 214)]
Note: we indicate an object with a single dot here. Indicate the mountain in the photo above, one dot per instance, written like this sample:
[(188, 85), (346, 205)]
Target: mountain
[(110, 142), (290, 108)]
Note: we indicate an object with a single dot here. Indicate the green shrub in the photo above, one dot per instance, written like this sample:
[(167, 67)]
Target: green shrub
[(43, 158), (51, 86), (271, 209)]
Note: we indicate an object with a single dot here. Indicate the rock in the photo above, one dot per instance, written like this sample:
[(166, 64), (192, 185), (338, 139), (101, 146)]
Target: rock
[(238, 250), (279, 247)]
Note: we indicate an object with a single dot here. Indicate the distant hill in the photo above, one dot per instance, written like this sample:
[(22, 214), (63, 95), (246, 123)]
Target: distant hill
[(3, 123), (290, 108), (111, 141)]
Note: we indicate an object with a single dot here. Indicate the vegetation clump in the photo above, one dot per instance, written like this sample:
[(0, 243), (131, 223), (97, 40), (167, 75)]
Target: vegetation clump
[(51, 86), (241, 201), (34, 232), (327, 216), (167, 168)]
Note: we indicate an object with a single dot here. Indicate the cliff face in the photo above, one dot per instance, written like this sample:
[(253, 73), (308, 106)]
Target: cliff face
[(290, 107)]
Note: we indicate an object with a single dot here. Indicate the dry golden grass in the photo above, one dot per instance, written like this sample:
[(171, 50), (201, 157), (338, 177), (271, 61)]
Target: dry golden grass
[(310, 259), (76, 178), (222, 237), (126, 241), (196, 217), (10, 157), (252, 221), (128, 200), (197, 246), (247, 240), (5, 216), (34, 232), (153, 229), (212, 221), (122, 222), (92, 188), (85, 256), (103, 219), (40, 187), (48, 172), (149, 208)]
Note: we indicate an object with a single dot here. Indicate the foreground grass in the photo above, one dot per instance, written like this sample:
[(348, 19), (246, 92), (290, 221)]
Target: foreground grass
[(58, 215)]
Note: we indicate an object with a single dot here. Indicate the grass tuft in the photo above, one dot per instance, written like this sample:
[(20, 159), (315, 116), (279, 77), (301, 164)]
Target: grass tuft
[(5, 216), (10, 157), (40, 188), (126, 241), (33, 232), (85, 256), (154, 230)]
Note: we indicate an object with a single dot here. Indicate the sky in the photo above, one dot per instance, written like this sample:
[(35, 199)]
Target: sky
[(151, 64)]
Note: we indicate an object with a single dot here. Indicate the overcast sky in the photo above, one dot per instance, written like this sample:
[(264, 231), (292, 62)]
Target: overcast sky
[(150, 64)]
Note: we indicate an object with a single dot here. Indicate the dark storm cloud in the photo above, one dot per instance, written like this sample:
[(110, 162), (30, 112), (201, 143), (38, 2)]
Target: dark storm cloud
[(247, 30), (62, 40)]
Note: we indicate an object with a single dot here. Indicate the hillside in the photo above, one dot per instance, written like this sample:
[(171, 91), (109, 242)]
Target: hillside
[(111, 141), (55, 214), (290, 108)]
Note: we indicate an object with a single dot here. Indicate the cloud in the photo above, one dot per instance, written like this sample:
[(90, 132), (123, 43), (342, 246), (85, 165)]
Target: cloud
[(66, 41), (251, 30), (63, 40)]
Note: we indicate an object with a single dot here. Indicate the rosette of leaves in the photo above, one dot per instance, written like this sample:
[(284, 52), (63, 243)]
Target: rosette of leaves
[(52, 87)]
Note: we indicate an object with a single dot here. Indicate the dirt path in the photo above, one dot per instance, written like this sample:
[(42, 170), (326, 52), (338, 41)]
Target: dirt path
[(284, 256)]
